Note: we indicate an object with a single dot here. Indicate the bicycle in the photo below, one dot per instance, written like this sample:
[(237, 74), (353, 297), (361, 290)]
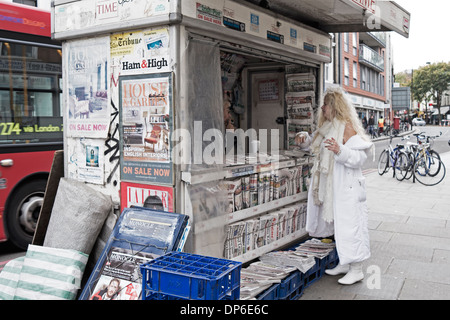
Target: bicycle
[(410, 149), (424, 163), (429, 170), (395, 158)]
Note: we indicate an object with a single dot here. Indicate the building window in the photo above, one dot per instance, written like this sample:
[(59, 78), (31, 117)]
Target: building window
[(346, 39), (355, 44), (373, 81), (355, 74), (346, 72), (377, 83), (363, 77)]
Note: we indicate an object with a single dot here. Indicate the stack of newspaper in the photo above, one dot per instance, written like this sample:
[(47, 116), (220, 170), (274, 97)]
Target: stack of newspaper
[(259, 276), (273, 267), (315, 248), (289, 258)]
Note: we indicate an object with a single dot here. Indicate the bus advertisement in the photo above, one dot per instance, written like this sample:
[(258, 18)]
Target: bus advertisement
[(31, 125)]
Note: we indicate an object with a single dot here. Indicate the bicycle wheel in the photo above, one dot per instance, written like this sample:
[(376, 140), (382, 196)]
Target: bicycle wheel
[(426, 164), (401, 166), (433, 166), (409, 173), (383, 162)]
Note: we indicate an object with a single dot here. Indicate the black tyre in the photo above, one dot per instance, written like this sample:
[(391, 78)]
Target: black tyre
[(424, 165), (23, 211), (434, 166), (383, 162), (409, 174), (401, 166)]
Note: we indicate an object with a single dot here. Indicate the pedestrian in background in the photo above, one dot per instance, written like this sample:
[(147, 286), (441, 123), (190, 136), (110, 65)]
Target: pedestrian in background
[(380, 125), (364, 122), (337, 196), (371, 125)]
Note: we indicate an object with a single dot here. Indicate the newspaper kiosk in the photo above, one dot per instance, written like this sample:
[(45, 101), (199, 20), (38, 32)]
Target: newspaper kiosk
[(191, 107)]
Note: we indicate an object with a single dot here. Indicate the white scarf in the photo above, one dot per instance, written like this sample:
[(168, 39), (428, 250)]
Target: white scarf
[(324, 165)]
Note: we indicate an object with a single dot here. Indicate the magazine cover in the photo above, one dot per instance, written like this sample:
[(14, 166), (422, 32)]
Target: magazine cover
[(155, 197), (145, 113), (87, 91), (120, 277)]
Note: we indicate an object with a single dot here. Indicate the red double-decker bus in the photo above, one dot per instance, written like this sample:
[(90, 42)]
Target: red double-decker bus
[(30, 117)]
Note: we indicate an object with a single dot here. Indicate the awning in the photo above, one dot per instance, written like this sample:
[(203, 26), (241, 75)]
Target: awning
[(444, 110), (343, 15)]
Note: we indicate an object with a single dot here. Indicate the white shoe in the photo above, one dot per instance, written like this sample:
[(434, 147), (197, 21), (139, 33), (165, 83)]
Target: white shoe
[(354, 275), (339, 269)]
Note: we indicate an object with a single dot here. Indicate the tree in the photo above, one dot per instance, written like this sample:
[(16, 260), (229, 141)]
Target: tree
[(403, 78), (430, 82)]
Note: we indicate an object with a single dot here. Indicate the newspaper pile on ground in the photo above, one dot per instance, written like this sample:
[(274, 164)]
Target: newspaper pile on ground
[(289, 259), (260, 276), (273, 267), (315, 248)]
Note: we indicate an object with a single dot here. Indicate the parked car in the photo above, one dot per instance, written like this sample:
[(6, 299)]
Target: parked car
[(418, 122)]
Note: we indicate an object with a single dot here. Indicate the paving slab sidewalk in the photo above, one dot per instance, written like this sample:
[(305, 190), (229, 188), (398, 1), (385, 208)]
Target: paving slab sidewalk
[(410, 242)]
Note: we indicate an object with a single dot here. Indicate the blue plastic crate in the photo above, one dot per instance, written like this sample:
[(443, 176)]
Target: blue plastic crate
[(150, 295), (296, 294), (330, 261), (333, 259), (292, 286), (191, 277), (313, 274), (322, 264), (270, 294)]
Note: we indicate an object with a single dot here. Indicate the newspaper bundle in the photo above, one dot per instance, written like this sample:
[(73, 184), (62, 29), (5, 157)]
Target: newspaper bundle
[(289, 259), (259, 276), (315, 248), (273, 267)]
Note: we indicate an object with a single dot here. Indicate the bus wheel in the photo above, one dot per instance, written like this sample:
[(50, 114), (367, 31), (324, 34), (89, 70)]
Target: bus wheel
[(23, 211)]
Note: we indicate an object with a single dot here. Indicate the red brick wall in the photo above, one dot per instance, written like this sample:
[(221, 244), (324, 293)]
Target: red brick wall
[(349, 55)]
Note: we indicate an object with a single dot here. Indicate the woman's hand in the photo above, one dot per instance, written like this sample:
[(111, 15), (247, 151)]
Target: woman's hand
[(332, 145)]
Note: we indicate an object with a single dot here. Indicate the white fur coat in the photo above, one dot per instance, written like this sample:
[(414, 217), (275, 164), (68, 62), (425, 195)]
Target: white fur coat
[(349, 202)]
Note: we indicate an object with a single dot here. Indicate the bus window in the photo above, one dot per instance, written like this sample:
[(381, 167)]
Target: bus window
[(30, 110)]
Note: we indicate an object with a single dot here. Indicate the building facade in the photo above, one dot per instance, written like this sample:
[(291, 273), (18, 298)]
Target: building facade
[(401, 100), (363, 67)]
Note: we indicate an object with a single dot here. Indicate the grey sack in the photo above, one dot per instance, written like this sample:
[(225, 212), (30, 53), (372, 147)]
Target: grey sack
[(77, 218)]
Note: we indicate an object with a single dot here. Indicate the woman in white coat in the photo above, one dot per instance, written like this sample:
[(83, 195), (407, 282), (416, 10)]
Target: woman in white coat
[(337, 195)]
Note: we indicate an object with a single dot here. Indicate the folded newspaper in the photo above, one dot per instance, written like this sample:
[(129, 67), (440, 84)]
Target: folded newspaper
[(273, 267), (260, 276), (289, 259), (315, 248)]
